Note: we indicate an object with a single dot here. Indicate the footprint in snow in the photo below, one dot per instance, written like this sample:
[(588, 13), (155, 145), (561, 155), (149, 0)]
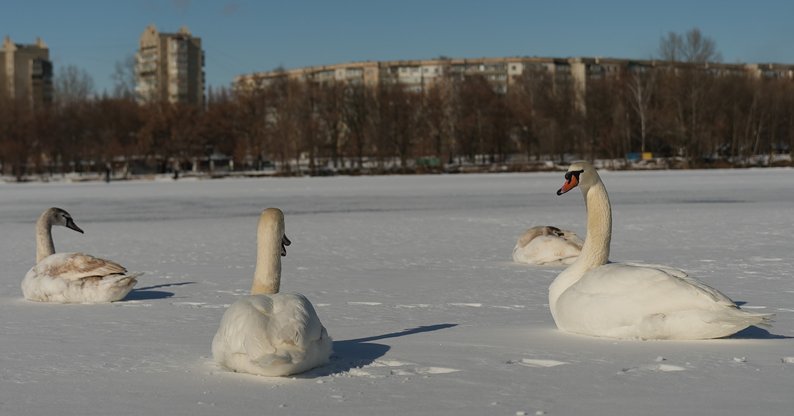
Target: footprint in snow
[(386, 368), (199, 305), (389, 363), (537, 363), (655, 368), (422, 371), (131, 303), (759, 259)]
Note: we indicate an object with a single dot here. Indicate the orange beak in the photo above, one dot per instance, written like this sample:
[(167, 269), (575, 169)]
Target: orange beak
[(568, 185)]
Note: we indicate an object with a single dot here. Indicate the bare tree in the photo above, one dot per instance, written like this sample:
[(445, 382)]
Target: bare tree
[(329, 111), (641, 86), (356, 114), (73, 84), (124, 78), (17, 139), (691, 46)]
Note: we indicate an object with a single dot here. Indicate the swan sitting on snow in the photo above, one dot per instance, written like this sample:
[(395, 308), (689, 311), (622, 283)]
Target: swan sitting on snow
[(270, 333), (72, 277), (547, 246), (623, 300)]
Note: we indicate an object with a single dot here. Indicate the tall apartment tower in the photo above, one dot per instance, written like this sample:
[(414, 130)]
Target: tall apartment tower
[(26, 72), (170, 67)]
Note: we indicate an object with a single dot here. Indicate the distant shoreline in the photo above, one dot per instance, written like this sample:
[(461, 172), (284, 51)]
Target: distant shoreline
[(610, 165)]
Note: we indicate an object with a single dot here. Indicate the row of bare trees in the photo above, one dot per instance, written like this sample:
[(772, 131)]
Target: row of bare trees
[(685, 112), (689, 113)]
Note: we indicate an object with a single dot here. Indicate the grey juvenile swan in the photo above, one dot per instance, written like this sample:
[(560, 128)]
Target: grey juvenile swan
[(72, 277)]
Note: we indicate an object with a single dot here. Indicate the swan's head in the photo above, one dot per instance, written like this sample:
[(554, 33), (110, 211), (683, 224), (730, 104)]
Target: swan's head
[(580, 173), (58, 216), (273, 220)]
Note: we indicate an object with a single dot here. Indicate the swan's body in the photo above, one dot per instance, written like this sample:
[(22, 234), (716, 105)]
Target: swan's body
[(72, 277), (623, 300), (547, 246), (270, 333)]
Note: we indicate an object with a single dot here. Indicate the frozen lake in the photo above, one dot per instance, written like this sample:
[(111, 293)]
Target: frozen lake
[(413, 279)]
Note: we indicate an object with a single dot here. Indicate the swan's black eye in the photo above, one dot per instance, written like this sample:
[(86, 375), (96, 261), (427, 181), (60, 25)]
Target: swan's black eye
[(576, 173)]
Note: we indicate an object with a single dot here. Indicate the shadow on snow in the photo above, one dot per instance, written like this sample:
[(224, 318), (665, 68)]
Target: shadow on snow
[(355, 353), (755, 332), (146, 293)]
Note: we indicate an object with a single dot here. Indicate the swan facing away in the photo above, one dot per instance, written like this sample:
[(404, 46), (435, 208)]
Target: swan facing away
[(633, 301), (547, 246), (270, 333), (72, 277)]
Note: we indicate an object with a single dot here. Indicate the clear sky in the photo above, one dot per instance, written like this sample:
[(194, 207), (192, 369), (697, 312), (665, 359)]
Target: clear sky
[(242, 36)]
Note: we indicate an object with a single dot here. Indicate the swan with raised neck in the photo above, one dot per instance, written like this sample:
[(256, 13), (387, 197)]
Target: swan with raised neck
[(271, 244), (595, 251), (271, 333), (638, 301)]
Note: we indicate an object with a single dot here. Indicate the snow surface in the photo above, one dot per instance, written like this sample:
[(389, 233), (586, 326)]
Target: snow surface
[(412, 277)]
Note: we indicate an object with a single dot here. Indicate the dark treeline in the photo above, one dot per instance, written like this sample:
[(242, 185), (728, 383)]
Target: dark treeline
[(688, 114)]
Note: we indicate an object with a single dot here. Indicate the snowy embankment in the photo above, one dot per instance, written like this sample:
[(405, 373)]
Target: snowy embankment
[(412, 277)]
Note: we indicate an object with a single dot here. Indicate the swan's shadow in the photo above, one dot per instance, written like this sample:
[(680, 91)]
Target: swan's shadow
[(355, 353), (755, 332), (146, 293)]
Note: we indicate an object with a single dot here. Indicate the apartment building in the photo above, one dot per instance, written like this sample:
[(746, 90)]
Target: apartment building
[(417, 75), (26, 72), (169, 67)]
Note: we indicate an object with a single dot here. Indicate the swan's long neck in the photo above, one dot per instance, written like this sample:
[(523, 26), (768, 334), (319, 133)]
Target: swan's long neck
[(267, 276), (44, 245), (595, 251)]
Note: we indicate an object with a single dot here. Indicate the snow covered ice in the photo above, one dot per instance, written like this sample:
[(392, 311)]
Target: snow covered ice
[(413, 278)]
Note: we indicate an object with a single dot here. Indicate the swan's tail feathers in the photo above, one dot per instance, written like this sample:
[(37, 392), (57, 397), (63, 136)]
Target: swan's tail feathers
[(123, 280), (764, 319), (118, 286), (743, 317)]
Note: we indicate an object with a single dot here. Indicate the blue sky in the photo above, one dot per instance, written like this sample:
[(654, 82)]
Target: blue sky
[(242, 36)]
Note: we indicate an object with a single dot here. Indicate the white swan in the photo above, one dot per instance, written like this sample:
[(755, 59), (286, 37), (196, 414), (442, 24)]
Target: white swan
[(622, 300), (270, 333), (72, 277), (546, 245)]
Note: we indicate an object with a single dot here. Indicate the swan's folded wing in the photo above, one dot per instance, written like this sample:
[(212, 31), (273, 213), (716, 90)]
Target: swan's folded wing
[(78, 266), (690, 282), (245, 327), (666, 269), (295, 321), (274, 328), (709, 291)]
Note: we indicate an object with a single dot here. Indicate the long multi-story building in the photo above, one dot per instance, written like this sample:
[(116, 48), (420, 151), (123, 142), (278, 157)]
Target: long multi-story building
[(417, 75), (170, 67), (26, 72)]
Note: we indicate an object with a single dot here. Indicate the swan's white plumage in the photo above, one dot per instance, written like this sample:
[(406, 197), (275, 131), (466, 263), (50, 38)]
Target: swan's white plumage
[(270, 333), (72, 277), (547, 246), (638, 301)]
